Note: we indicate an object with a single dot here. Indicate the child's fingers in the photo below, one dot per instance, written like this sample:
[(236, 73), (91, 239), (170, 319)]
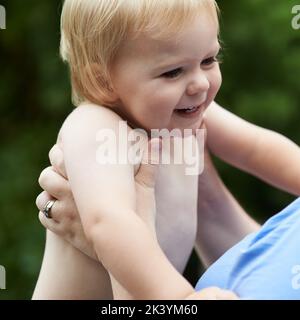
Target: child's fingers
[(229, 295), (213, 293)]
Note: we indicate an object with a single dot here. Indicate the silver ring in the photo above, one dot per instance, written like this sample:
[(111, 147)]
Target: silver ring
[(47, 209)]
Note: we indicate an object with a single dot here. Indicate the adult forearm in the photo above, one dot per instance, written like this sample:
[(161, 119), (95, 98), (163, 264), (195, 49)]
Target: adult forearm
[(127, 248), (276, 160), (222, 222)]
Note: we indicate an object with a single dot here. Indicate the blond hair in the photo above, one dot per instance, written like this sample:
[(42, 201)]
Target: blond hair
[(92, 31)]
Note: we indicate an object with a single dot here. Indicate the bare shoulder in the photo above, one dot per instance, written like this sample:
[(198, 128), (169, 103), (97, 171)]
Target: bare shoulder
[(90, 116), (89, 120), (90, 123)]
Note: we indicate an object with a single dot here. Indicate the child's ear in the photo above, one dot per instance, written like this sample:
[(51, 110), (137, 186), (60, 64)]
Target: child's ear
[(113, 96), (104, 83)]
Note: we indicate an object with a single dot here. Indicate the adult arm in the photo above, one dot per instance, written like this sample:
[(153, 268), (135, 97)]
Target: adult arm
[(222, 222), (264, 153)]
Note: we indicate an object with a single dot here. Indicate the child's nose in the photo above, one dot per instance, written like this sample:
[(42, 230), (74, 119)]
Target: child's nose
[(199, 83)]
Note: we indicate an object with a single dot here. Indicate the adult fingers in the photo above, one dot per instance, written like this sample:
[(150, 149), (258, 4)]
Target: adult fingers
[(146, 174), (52, 182), (41, 202), (42, 199), (50, 224), (56, 158), (204, 128)]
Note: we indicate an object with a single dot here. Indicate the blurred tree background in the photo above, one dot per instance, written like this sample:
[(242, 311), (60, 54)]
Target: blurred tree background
[(260, 83)]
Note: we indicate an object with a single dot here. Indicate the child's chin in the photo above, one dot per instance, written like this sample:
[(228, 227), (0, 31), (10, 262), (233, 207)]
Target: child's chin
[(188, 129)]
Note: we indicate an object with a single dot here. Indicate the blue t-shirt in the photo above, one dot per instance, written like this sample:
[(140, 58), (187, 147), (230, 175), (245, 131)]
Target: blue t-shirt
[(265, 264)]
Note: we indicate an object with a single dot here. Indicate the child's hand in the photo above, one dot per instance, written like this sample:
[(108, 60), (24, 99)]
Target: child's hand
[(65, 220), (212, 293)]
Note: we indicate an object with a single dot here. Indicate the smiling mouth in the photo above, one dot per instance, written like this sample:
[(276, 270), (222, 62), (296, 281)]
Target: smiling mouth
[(190, 112), (187, 110)]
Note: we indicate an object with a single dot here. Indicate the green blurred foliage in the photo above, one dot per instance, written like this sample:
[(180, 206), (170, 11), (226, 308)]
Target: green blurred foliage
[(260, 83)]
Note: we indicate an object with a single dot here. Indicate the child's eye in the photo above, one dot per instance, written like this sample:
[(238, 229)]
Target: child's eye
[(172, 74), (209, 61)]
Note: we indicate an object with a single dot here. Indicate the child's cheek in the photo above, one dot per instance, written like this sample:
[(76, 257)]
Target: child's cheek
[(215, 83), (168, 97)]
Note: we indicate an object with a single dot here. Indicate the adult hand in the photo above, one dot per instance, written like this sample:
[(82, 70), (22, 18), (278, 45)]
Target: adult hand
[(65, 220)]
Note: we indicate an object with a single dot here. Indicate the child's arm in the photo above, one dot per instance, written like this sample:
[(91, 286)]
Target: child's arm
[(103, 195), (75, 279), (261, 152), (68, 274)]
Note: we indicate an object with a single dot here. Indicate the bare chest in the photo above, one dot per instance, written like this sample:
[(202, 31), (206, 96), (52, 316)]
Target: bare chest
[(176, 221)]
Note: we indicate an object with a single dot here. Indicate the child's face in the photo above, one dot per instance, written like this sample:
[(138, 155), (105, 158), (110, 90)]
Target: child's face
[(153, 79)]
